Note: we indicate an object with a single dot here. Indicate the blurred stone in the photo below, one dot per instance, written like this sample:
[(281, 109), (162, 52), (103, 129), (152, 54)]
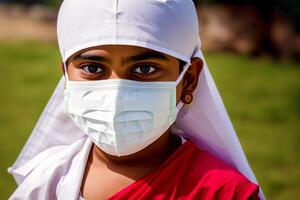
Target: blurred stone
[(18, 22), (283, 37), (236, 28), (16, 10), (42, 13)]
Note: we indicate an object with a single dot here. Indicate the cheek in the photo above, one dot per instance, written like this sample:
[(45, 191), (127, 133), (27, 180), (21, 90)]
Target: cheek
[(74, 73)]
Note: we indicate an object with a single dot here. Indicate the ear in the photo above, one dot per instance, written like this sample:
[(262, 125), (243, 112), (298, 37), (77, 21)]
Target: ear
[(190, 79), (62, 67)]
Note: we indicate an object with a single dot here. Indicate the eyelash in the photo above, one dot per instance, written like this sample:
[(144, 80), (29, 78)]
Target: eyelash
[(136, 70), (91, 65), (140, 73)]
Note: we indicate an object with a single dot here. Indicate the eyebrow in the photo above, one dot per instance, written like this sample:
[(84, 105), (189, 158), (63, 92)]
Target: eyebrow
[(150, 55), (93, 57)]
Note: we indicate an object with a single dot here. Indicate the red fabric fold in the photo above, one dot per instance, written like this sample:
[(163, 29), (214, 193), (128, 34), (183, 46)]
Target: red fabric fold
[(191, 173)]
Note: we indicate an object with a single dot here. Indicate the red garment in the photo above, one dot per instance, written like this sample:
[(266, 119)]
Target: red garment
[(191, 173)]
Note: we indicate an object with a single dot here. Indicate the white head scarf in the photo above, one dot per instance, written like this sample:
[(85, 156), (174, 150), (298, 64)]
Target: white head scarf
[(167, 26)]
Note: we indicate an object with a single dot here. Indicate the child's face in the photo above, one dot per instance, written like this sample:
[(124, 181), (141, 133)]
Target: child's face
[(123, 62), (133, 63)]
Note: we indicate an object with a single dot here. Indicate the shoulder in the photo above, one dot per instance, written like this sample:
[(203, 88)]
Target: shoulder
[(57, 166), (211, 176)]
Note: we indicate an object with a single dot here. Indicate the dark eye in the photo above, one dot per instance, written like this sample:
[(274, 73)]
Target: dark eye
[(92, 69), (144, 69)]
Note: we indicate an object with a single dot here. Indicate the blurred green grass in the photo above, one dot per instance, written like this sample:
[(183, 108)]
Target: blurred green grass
[(262, 97)]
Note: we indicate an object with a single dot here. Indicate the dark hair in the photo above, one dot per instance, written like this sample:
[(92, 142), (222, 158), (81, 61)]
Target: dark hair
[(181, 65)]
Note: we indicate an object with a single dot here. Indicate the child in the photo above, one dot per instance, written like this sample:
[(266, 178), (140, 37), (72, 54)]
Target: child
[(145, 118)]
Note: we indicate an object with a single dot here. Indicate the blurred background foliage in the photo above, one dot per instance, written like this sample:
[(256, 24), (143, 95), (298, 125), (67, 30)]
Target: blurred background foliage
[(252, 49), (54, 3), (288, 7), (264, 26)]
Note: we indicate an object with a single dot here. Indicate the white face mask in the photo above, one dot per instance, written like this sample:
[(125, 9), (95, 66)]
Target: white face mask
[(121, 116)]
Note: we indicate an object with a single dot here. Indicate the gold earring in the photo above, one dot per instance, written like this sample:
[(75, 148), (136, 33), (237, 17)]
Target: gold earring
[(187, 98)]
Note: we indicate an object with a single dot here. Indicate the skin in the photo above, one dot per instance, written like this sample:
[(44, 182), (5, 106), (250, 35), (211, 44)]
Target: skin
[(113, 173)]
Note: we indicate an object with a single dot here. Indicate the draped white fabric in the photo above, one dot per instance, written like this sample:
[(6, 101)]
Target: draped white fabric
[(167, 26)]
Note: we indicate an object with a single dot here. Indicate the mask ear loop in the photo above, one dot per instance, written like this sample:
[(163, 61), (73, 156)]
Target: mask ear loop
[(66, 72), (179, 79)]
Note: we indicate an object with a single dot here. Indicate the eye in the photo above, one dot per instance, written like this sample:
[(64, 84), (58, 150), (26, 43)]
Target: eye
[(145, 69), (92, 68)]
